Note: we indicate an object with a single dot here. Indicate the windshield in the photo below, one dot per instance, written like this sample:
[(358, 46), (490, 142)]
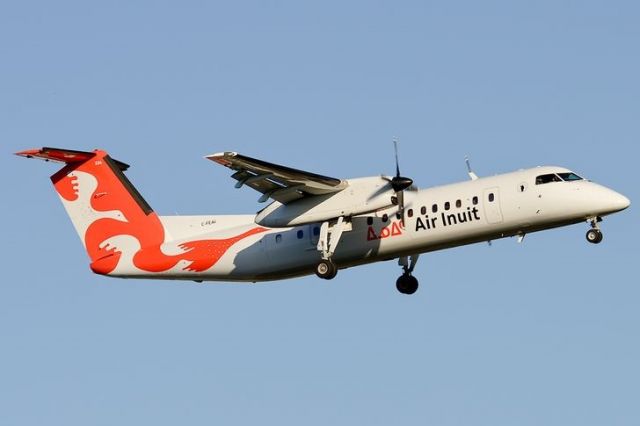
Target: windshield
[(557, 177), (551, 177), (569, 176)]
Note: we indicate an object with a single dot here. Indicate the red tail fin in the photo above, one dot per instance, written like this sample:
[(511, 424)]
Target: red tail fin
[(102, 204)]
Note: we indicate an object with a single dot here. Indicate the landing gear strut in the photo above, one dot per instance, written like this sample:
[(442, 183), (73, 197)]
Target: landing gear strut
[(407, 283), (327, 243), (594, 235)]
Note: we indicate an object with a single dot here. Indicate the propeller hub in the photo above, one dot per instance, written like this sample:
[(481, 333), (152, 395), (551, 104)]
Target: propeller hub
[(400, 183)]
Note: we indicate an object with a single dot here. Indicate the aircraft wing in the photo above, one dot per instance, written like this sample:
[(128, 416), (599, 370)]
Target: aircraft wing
[(280, 183)]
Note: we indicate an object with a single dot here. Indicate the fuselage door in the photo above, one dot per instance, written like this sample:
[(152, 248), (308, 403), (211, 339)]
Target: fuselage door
[(313, 236), (491, 204)]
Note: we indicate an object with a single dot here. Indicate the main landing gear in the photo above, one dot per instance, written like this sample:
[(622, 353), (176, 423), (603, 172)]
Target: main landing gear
[(326, 269), (327, 243), (407, 283), (594, 235)]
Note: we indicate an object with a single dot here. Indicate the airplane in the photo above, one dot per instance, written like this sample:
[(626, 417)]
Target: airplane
[(314, 223)]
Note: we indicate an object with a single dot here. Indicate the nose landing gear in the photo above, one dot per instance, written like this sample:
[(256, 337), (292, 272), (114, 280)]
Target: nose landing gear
[(594, 235), (407, 283)]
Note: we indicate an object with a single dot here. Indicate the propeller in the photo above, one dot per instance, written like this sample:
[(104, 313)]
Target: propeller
[(399, 183)]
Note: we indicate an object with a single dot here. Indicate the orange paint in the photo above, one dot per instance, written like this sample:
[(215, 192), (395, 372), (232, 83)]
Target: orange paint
[(145, 226)]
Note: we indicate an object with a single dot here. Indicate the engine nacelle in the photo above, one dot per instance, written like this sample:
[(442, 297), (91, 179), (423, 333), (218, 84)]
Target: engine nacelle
[(363, 195)]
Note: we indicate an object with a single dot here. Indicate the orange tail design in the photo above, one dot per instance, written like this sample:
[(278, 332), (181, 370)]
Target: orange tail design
[(103, 204)]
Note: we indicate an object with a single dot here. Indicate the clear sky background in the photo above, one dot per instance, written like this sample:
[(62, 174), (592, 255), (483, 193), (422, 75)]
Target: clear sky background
[(540, 333)]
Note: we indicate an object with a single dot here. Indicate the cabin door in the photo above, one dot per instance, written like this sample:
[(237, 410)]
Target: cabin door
[(491, 204)]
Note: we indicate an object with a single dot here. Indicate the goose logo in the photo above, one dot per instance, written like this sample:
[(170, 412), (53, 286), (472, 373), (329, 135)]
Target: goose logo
[(394, 229)]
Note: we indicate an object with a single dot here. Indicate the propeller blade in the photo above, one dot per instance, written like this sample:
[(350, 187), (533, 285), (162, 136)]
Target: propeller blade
[(399, 183), (395, 149), (384, 188)]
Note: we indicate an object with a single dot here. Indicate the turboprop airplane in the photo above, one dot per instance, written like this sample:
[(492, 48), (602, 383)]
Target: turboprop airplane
[(314, 223)]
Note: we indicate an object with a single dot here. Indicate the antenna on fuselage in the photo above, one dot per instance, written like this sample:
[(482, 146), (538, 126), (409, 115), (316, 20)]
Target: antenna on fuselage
[(472, 175)]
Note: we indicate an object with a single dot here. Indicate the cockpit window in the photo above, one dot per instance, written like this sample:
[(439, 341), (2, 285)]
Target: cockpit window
[(569, 176), (557, 177), (551, 177)]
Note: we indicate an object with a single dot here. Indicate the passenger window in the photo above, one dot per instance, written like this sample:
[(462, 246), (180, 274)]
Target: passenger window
[(385, 217), (458, 203), (491, 197), (410, 212), (279, 238), (423, 210), (398, 216), (369, 221), (434, 208), (447, 205), (474, 200), (316, 231), (300, 234), (548, 178)]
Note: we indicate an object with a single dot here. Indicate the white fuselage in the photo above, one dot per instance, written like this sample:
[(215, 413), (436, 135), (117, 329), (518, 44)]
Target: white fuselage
[(435, 218)]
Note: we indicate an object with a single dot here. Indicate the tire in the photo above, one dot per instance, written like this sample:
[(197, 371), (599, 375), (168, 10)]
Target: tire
[(594, 236), (326, 270), (407, 284)]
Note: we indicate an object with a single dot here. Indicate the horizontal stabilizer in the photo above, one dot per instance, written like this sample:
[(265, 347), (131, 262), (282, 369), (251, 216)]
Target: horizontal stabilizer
[(68, 156)]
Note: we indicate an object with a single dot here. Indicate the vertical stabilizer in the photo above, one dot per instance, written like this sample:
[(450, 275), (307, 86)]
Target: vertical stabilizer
[(104, 207)]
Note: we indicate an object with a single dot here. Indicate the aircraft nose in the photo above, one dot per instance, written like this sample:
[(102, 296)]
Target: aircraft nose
[(623, 201), (617, 201)]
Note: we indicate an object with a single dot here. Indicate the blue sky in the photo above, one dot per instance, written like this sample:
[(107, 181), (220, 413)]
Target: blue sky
[(540, 333)]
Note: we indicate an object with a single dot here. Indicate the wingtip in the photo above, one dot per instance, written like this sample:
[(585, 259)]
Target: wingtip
[(221, 157), (222, 154)]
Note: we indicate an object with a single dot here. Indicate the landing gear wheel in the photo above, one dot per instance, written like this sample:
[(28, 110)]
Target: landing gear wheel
[(326, 269), (407, 284), (594, 236)]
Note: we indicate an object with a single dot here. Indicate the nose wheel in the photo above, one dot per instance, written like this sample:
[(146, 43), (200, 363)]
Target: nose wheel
[(407, 283), (594, 235)]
